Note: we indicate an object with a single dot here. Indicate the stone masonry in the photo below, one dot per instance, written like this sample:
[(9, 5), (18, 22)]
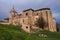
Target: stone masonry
[(28, 18)]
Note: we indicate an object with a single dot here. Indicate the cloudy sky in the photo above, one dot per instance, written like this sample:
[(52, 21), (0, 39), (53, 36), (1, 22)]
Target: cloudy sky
[(20, 5)]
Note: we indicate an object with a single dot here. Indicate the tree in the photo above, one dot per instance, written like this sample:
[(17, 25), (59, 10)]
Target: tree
[(40, 23)]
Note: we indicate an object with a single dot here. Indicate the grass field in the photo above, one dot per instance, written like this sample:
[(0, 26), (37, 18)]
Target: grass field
[(10, 32)]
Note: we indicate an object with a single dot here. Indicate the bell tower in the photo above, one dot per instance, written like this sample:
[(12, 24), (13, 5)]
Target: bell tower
[(13, 13)]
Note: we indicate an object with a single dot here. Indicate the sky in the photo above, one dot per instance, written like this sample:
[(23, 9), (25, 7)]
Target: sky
[(20, 5)]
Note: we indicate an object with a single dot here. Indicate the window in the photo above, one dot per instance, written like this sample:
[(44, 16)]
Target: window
[(23, 20), (27, 27), (31, 27), (26, 14), (37, 13)]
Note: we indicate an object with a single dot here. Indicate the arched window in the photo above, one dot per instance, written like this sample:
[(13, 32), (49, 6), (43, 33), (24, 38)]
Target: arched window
[(26, 14), (26, 27)]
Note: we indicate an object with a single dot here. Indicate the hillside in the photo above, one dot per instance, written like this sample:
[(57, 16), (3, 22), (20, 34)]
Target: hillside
[(10, 32)]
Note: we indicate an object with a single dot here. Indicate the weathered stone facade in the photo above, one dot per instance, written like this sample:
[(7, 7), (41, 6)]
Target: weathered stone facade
[(28, 18)]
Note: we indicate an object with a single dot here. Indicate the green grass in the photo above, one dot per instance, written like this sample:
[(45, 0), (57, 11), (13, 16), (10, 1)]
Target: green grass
[(10, 32)]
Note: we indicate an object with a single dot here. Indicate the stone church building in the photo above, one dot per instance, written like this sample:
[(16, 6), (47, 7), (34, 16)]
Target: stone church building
[(28, 18)]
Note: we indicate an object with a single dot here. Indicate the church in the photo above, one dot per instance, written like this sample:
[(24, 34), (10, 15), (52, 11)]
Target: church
[(29, 17)]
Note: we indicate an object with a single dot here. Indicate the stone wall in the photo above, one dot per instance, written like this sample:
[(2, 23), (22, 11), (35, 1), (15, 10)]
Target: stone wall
[(29, 16)]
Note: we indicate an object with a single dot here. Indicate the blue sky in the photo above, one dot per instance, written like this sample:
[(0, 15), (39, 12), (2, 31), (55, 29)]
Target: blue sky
[(20, 5)]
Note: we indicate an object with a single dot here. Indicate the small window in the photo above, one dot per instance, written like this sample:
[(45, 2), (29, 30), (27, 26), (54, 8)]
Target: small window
[(37, 13), (23, 20), (27, 27), (26, 14), (31, 27)]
